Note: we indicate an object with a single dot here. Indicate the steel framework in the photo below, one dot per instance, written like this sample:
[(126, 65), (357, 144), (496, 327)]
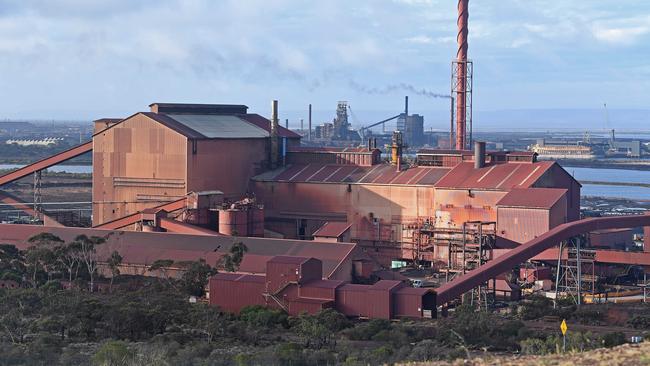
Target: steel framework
[(462, 81), (38, 198), (575, 275)]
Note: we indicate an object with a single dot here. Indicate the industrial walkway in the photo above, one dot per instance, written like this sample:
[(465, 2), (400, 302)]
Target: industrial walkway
[(46, 163), (506, 262)]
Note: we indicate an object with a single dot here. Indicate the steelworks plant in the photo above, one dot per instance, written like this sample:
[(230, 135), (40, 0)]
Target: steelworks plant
[(325, 225)]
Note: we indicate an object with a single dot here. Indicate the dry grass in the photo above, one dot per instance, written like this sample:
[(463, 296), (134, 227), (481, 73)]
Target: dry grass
[(629, 354)]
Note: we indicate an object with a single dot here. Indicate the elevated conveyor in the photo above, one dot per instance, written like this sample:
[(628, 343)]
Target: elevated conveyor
[(506, 262), (46, 163), (136, 217)]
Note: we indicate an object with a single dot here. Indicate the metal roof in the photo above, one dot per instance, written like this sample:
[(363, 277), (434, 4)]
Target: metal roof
[(219, 126), (143, 248), (532, 197), (496, 176), (206, 126), (351, 174), (333, 229)]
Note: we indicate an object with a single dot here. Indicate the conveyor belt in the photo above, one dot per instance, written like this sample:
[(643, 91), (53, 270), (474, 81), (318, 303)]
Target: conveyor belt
[(506, 262), (46, 163)]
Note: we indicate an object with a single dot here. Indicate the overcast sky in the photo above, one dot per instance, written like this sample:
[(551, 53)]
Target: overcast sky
[(89, 59)]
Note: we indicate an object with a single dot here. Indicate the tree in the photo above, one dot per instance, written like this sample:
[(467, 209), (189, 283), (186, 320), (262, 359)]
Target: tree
[(231, 261), (12, 263), (114, 262), (196, 276), (88, 254), (41, 254), (68, 256), (162, 265)]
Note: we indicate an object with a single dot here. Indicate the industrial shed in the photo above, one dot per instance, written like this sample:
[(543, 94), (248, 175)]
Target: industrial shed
[(162, 155), (293, 284), (140, 249)]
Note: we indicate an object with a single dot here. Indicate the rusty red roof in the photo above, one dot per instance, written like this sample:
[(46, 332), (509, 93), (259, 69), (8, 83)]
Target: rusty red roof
[(144, 248), (324, 284), (386, 284), (330, 149), (350, 174), (333, 229), (532, 197), (288, 259), (495, 177)]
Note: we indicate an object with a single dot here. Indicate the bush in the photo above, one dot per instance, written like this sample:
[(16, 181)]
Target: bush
[(113, 353), (614, 339), (365, 331), (263, 317)]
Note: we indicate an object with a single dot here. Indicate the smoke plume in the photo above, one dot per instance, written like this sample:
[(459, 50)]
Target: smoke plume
[(396, 87)]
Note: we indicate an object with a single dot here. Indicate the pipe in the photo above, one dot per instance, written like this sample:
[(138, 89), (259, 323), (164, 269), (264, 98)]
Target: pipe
[(451, 125), (274, 134), (479, 154), (461, 75), (309, 133), (286, 123)]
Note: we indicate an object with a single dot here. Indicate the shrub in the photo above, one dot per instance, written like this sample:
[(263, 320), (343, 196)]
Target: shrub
[(264, 317), (113, 353)]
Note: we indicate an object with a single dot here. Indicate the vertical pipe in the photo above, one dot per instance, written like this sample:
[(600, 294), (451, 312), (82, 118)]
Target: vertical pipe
[(309, 133), (451, 125), (557, 276), (302, 125), (579, 270), (286, 123), (274, 134), (461, 74)]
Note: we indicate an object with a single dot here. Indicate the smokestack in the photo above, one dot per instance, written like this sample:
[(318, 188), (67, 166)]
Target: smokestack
[(461, 75), (286, 123), (302, 125), (406, 106), (479, 154), (369, 144), (309, 133), (274, 134)]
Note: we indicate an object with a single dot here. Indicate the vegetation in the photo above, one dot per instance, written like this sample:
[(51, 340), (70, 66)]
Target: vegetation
[(150, 321)]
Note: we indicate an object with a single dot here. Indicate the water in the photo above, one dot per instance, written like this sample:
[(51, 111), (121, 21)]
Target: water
[(612, 175), (56, 169)]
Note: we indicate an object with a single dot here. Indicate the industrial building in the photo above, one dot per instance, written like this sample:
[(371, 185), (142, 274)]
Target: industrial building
[(187, 181), (296, 285), (162, 155)]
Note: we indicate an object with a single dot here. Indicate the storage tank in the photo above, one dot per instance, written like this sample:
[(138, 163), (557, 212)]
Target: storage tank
[(233, 222)]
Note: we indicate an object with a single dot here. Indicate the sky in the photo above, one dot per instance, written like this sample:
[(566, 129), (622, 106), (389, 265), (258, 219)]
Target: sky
[(80, 59)]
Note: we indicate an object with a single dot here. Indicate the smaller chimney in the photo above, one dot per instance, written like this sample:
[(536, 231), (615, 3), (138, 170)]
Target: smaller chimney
[(286, 123), (369, 144), (406, 106), (309, 133), (274, 134), (479, 154)]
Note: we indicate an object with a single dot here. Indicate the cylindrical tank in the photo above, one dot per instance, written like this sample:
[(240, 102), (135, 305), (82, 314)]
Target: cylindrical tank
[(233, 222)]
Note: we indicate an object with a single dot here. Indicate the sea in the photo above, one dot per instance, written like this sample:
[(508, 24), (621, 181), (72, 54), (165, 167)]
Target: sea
[(615, 176)]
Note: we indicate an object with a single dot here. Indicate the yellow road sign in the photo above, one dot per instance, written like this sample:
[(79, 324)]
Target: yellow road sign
[(563, 327)]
